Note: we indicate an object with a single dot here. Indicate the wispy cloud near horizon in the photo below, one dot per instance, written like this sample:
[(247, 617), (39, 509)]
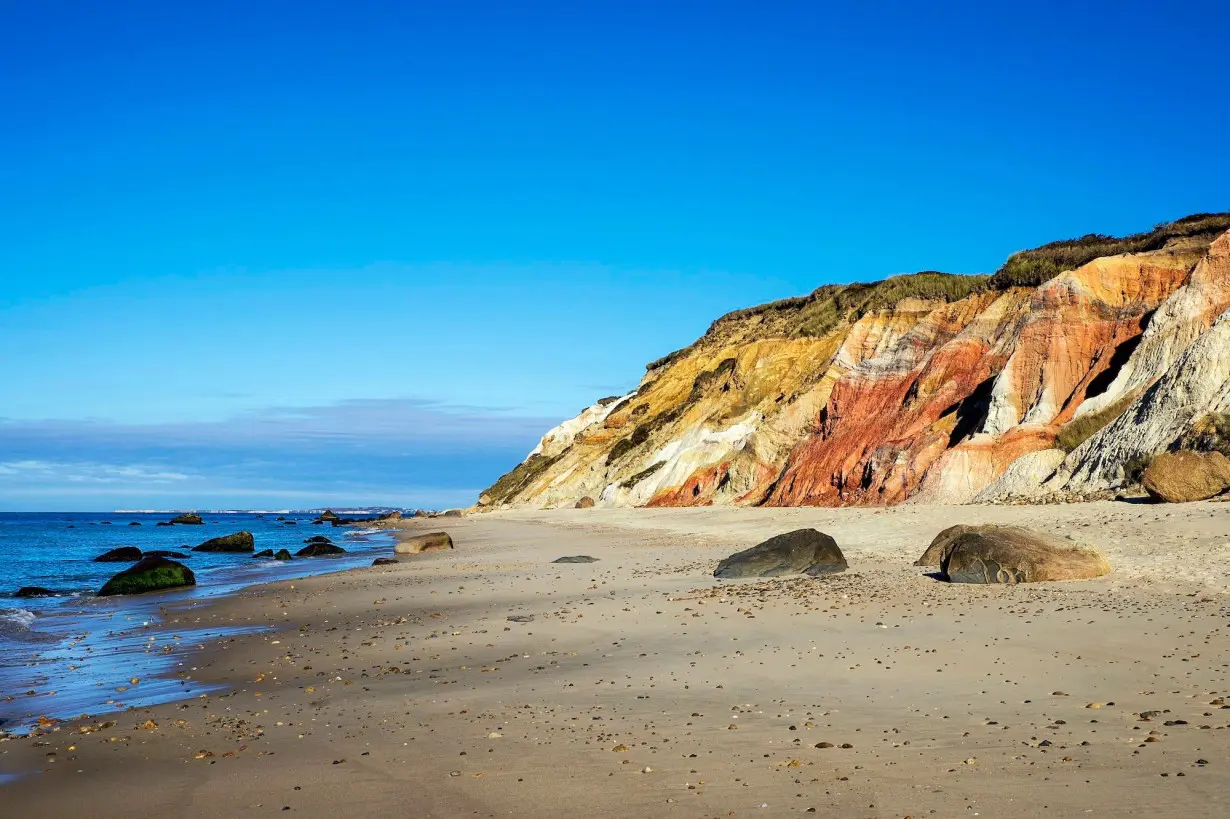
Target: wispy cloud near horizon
[(402, 452)]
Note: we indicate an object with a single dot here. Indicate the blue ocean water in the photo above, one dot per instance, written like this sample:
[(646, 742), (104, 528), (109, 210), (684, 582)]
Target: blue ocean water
[(76, 653)]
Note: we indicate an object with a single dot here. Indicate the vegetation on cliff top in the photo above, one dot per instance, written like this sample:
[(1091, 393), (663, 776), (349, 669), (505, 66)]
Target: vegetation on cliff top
[(827, 307), (1030, 268)]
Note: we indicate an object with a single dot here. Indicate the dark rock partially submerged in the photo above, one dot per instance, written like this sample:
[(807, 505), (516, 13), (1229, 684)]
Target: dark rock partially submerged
[(150, 574), (320, 550), (282, 554), (804, 551), (1010, 555), (34, 591), (124, 554), (188, 519), (238, 543), (262, 554), (166, 553), (575, 559)]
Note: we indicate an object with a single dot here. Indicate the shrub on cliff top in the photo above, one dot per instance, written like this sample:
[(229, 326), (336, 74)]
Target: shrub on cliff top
[(1030, 268)]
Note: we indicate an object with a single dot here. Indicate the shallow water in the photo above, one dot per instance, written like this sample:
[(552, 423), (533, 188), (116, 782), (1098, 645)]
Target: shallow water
[(77, 654)]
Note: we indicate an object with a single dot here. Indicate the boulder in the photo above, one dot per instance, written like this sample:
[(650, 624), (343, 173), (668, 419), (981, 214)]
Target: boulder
[(423, 543), (1184, 476), (135, 523), (320, 550), (384, 561), (159, 523), (188, 518), (240, 542), (575, 559), (151, 574), (452, 513), (124, 554), (282, 554), (290, 523), (263, 554), (805, 551), (1009, 554), (934, 555), (34, 591), (585, 503), (328, 514), (166, 553), (318, 539)]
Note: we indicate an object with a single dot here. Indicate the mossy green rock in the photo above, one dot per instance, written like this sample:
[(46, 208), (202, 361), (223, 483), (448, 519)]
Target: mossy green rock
[(150, 574), (188, 519), (283, 554), (264, 553), (238, 542)]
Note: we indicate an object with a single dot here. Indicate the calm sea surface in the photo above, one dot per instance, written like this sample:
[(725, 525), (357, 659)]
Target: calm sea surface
[(76, 654)]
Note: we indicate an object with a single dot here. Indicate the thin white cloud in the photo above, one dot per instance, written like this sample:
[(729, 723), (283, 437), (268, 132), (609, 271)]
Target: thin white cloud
[(88, 472)]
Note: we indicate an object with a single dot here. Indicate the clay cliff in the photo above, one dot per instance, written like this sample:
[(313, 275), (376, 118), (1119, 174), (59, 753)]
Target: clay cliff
[(1056, 378)]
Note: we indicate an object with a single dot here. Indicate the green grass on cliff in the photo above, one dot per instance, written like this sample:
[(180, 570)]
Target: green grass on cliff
[(1081, 429), (1030, 268), (826, 308)]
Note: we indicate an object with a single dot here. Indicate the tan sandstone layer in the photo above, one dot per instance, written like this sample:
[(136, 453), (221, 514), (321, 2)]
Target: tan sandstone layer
[(640, 686)]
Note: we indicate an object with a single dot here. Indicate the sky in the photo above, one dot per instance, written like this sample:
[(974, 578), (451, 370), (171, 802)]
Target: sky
[(309, 253)]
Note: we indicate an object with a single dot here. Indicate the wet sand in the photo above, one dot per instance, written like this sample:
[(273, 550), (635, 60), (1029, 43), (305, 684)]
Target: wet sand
[(640, 686)]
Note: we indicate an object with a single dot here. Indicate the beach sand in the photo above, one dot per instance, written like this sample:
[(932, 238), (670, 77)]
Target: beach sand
[(639, 686)]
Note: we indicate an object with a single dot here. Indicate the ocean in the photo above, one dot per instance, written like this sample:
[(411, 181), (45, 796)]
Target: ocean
[(75, 653)]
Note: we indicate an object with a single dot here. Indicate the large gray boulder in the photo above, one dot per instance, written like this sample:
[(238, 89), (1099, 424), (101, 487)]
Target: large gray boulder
[(1009, 554), (805, 551)]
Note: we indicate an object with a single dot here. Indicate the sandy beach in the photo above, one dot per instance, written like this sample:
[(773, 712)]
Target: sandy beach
[(488, 681)]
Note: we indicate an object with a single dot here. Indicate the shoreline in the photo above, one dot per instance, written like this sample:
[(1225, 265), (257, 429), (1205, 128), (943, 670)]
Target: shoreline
[(485, 713), (82, 642)]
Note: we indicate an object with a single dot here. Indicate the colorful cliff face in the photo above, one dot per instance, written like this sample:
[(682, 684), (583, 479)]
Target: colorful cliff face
[(1047, 379)]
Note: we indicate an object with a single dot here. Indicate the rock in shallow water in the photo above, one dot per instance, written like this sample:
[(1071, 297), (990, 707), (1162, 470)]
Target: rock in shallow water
[(240, 542), (124, 554), (150, 574), (166, 553), (282, 554), (190, 519), (804, 551), (263, 554), (34, 591), (320, 550), (1009, 554)]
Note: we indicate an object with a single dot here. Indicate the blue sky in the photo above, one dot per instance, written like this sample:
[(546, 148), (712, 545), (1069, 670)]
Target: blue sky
[(309, 253)]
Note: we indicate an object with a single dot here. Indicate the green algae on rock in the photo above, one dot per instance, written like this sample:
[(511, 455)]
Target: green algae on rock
[(150, 574), (238, 542)]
